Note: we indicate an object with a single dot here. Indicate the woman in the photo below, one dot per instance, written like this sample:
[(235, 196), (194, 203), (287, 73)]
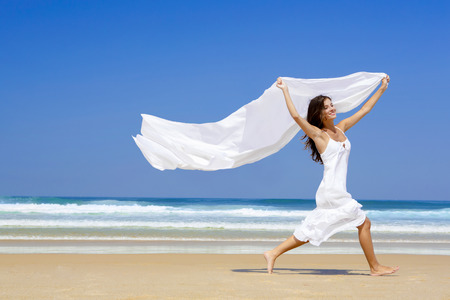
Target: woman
[(336, 210)]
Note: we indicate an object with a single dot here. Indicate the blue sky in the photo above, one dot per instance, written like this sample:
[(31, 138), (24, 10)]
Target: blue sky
[(76, 75)]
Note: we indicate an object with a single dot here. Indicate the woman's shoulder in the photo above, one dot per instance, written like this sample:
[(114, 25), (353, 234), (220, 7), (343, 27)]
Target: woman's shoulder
[(341, 126)]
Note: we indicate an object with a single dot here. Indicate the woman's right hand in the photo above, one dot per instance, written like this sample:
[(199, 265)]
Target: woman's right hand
[(281, 84)]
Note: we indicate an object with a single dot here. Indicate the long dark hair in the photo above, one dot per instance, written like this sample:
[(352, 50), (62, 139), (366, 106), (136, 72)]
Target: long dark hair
[(314, 117)]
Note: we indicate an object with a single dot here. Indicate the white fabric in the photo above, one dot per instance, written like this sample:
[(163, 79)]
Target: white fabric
[(336, 209), (256, 130)]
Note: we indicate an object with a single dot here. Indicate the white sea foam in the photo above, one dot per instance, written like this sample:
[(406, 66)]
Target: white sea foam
[(410, 213), (141, 209), (61, 223), (213, 225), (105, 209), (202, 239), (411, 228)]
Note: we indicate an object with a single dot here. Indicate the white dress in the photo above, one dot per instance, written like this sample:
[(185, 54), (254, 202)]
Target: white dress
[(336, 209)]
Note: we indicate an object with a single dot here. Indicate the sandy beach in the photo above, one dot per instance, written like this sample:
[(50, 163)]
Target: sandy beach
[(218, 276)]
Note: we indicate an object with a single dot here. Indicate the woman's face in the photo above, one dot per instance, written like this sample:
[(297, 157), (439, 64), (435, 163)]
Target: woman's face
[(328, 112)]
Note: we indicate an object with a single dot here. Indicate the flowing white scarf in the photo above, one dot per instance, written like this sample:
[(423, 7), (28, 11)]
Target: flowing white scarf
[(256, 130)]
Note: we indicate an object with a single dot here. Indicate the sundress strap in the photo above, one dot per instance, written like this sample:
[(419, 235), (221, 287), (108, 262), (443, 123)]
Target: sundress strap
[(341, 131), (327, 133)]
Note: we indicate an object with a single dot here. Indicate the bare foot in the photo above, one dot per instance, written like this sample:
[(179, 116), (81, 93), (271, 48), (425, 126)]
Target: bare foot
[(270, 259), (383, 270)]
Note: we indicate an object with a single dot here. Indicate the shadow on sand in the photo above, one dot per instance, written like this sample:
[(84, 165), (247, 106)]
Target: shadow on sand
[(288, 271)]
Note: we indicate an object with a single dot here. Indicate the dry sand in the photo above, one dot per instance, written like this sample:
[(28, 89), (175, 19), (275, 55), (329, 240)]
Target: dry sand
[(219, 276)]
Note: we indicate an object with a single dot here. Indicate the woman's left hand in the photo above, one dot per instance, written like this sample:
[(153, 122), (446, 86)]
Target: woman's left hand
[(385, 82)]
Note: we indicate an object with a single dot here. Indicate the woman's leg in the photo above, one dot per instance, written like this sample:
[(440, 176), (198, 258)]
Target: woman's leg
[(287, 245), (365, 239)]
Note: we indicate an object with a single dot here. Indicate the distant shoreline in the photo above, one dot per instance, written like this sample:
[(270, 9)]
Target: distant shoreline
[(203, 198)]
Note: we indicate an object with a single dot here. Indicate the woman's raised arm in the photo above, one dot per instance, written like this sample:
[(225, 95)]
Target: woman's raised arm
[(312, 131), (347, 123)]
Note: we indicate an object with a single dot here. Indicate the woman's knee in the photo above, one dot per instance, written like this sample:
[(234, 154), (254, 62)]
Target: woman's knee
[(365, 225), (299, 241)]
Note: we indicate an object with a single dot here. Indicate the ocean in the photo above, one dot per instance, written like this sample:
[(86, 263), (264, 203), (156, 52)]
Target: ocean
[(207, 225)]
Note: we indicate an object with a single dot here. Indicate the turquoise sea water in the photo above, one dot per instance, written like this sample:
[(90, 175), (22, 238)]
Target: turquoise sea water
[(149, 225)]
